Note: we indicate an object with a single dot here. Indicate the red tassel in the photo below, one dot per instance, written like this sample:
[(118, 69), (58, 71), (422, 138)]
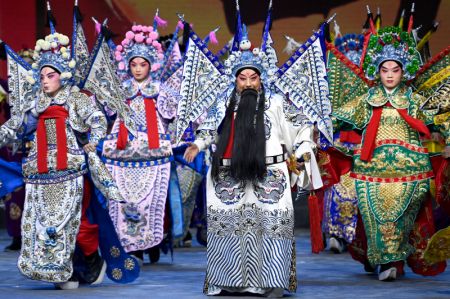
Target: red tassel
[(314, 223)]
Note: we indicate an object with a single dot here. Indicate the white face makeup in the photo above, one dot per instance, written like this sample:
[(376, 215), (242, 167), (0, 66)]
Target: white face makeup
[(390, 74), (248, 78), (140, 68), (50, 81)]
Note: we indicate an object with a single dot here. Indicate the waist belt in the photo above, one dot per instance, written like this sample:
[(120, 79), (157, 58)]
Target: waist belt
[(269, 160)]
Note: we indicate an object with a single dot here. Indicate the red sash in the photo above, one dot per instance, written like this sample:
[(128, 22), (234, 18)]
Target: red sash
[(372, 128), (59, 114), (152, 127)]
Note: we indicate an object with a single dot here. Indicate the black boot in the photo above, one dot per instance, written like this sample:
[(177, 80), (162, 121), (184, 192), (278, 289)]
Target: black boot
[(368, 267), (15, 245), (187, 241), (153, 254), (95, 269)]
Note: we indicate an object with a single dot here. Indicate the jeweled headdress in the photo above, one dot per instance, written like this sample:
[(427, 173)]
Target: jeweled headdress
[(351, 45), (140, 41), (53, 51), (246, 57), (391, 43)]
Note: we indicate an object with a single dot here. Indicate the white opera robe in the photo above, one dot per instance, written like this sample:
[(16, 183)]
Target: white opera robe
[(251, 243)]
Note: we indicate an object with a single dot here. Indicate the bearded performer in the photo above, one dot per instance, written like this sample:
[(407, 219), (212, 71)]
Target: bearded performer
[(251, 244), (248, 194)]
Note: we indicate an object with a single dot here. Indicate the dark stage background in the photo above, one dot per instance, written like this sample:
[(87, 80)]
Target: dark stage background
[(22, 21)]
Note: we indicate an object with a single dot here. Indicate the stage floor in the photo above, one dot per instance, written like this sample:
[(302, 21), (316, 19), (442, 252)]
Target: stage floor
[(326, 275)]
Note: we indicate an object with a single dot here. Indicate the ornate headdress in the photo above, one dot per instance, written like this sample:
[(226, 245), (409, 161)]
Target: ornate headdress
[(392, 43), (351, 45), (248, 57), (140, 41), (53, 51)]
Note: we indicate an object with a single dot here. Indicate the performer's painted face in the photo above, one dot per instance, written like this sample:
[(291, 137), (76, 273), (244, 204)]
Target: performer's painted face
[(140, 68), (50, 80), (391, 74), (248, 79)]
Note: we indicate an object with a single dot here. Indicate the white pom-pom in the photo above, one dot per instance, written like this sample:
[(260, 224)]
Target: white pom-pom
[(54, 45), (255, 51), (66, 75), (63, 49), (72, 64), (64, 40), (45, 46), (37, 48), (40, 42), (35, 66), (65, 55), (245, 45)]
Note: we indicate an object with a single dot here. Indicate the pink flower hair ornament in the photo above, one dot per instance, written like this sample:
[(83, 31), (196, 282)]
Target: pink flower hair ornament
[(140, 41)]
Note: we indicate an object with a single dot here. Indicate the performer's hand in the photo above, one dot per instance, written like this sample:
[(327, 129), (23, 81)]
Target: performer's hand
[(191, 152), (90, 147), (300, 166), (307, 157), (446, 152)]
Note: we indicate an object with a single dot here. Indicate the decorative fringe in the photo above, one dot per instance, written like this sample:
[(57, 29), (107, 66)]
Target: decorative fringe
[(291, 46), (411, 19), (337, 30), (77, 14), (186, 32), (108, 34), (180, 25), (160, 22), (427, 35), (400, 21), (2, 50), (51, 21), (355, 68), (432, 61), (364, 51), (213, 38), (98, 28), (315, 224), (378, 19)]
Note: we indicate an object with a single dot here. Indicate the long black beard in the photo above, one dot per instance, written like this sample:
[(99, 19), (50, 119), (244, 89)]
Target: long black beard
[(248, 161)]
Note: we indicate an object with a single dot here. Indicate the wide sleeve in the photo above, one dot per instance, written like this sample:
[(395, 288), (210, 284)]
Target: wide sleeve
[(10, 132), (91, 117), (207, 131), (356, 112), (298, 136)]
